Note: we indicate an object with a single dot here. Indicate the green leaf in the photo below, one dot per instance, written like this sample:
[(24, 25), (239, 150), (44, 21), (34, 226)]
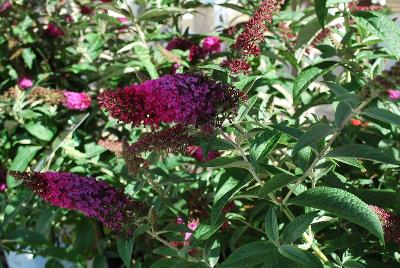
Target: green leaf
[(321, 10), (177, 263), (316, 133), (161, 12), (85, 236), (383, 27), (277, 182), (25, 154), (309, 75), (227, 162), (302, 257), (214, 253), (250, 255), (143, 54), (271, 226), (297, 227), (383, 115), (362, 151), (29, 56), (342, 204), (263, 144), (125, 249), (343, 110), (38, 130), (377, 197)]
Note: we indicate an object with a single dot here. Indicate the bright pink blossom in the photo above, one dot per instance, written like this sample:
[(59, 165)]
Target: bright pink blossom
[(212, 44), (5, 5), (94, 198), (25, 82), (393, 94), (123, 20), (197, 153), (77, 101), (53, 30)]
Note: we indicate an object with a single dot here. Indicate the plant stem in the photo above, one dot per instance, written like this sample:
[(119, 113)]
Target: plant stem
[(285, 209), (323, 152)]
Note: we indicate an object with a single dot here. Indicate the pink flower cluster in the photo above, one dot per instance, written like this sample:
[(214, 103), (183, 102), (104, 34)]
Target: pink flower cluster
[(77, 100), (25, 83), (197, 153), (192, 225), (390, 224), (393, 94), (94, 198), (5, 5), (360, 6), (188, 99)]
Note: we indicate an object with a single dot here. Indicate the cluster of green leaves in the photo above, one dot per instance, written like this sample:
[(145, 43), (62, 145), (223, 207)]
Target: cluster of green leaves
[(299, 183)]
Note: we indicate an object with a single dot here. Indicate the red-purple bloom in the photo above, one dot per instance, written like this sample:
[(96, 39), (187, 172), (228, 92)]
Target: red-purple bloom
[(25, 82), (68, 18), (212, 44), (86, 10), (77, 101), (237, 65), (253, 33), (393, 94), (196, 53), (390, 224), (188, 99), (53, 30), (94, 198), (360, 6), (5, 5), (197, 153), (179, 43)]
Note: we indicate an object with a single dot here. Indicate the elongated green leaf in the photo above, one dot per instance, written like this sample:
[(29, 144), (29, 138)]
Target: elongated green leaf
[(277, 182), (321, 10), (161, 12), (383, 115), (316, 133), (143, 54), (361, 151), (342, 204), (383, 27), (125, 249), (39, 131), (25, 154), (271, 226), (263, 144), (250, 255), (302, 257), (227, 162), (343, 110), (309, 75), (297, 227)]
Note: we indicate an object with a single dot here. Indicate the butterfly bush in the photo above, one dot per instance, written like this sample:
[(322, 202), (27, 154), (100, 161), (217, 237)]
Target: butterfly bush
[(94, 198), (188, 99), (268, 140)]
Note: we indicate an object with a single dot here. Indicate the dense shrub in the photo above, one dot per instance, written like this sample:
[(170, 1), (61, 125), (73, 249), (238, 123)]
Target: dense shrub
[(128, 140)]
